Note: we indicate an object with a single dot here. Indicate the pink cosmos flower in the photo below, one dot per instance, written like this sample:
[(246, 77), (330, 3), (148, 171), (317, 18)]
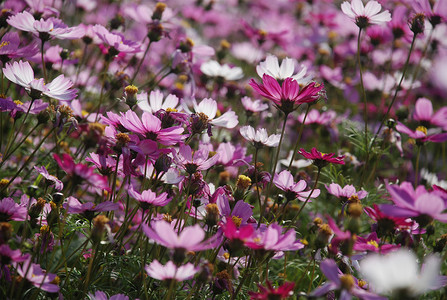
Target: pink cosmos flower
[(273, 239), (365, 15), (213, 69), (80, 172), (240, 214), (259, 138), (435, 15), (58, 185), (11, 211), (253, 106), (283, 291), (88, 209), (115, 41), (170, 271), (22, 74), (372, 243), (284, 181), (37, 277), (423, 112), (288, 95), (322, 159), (346, 192), (102, 296), (387, 224), (150, 127), (200, 161), (420, 205), (191, 238), (149, 198), (421, 134), (45, 29)]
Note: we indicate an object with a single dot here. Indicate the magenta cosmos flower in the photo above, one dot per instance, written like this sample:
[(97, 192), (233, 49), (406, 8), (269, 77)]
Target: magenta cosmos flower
[(149, 126), (22, 74), (423, 112), (58, 185), (149, 198), (321, 159), (294, 190), (45, 29), (189, 239), (288, 95), (365, 15), (170, 271), (115, 41), (272, 239), (266, 293), (10, 47), (421, 134)]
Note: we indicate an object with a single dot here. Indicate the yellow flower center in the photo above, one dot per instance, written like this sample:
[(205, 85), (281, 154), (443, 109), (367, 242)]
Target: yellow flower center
[(3, 44), (422, 129), (171, 110), (226, 255), (236, 220), (347, 281), (374, 243)]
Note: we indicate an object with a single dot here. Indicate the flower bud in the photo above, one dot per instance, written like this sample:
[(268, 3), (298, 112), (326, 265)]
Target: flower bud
[(5, 232), (158, 11), (417, 23)]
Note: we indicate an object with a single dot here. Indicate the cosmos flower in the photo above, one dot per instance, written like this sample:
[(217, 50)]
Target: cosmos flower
[(34, 274), (273, 239), (253, 106), (421, 134), (88, 209), (213, 69), (149, 198), (9, 210), (283, 291), (347, 283), (156, 102), (10, 48), (423, 112), (272, 68), (373, 244), (58, 185), (259, 138), (284, 181), (288, 95), (170, 271), (102, 296), (22, 74), (191, 238), (398, 272), (197, 162), (45, 29), (321, 159), (346, 192), (362, 15), (115, 41)]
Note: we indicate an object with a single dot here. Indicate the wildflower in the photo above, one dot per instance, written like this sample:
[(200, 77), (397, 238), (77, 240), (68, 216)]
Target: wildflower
[(373, 244), (58, 185), (170, 271), (150, 127), (213, 69), (397, 274), (363, 16), (193, 163), (22, 74), (156, 102), (435, 15), (10, 48), (259, 138), (288, 95), (253, 106), (272, 68), (272, 239), (45, 29), (423, 112), (321, 159), (191, 238), (149, 198), (347, 283), (284, 181), (115, 43), (348, 191), (284, 291), (387, 224), (34, 274), (88, 209), (11, 211), (102, 296)]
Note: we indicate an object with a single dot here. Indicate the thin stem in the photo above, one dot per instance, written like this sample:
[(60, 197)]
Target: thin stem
[(295, 150), (416, 169), (43, 62), (387, 115), (21, 142), (141, 62), (273, 170), (365, 103)]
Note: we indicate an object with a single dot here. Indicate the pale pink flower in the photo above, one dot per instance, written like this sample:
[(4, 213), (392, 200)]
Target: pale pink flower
[(171, 271), (365, 15), (259, 137)]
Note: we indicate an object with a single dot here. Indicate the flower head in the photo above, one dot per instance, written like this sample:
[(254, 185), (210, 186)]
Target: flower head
[(260, 137), (321, 159), (170, 271), (149, 198), (272, 68), (281, 292), (213, 69), (362, 15), (284, 181)]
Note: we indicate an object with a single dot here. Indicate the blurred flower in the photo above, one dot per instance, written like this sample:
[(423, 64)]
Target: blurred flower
[(273, 239), (253, 106), (397, 274), (272, 68), (284, 291), (9, 210), (365, 15), (37, 277), (423, 112), (170, 271), (200, 161), (213, 69), (156, 102), (10, 48), (149, 198), (58, 185), (284, 181)]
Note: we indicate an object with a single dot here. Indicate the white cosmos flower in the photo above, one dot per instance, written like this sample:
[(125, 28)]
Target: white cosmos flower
[(272, 68), (156, 102), (208, 107), (260, 137), (213, 69), (399, 272), (365, 15)]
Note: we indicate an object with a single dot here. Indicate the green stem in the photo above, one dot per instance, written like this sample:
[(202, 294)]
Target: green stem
[(43, 62), (20, 143), (387, 115), (416, 171), (141, 62), (295, 150)]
